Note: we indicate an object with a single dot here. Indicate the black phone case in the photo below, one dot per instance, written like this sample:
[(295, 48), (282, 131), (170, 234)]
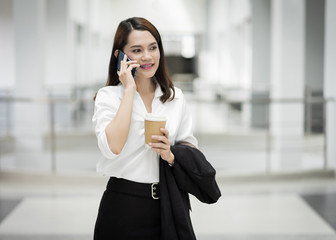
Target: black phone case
[(120, 58)]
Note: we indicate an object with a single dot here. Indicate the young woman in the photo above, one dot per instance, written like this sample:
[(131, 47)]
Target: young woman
[(130, 206)]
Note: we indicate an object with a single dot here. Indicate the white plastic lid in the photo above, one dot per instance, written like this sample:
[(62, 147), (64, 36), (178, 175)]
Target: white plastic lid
[(155, 117)]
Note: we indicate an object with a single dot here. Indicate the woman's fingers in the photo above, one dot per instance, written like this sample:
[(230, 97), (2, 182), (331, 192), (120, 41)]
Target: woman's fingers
[(165, 132), (160, 145), (164, 142), (163, 146), (125, 73), (160, 138), (125, 65)]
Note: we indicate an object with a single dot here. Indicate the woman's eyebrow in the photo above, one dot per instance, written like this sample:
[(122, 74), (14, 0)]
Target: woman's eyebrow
[(136, 46), (153, 43), (139, 46)]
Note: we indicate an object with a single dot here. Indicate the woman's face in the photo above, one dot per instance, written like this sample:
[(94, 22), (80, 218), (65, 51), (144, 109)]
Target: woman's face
[(143, 48)]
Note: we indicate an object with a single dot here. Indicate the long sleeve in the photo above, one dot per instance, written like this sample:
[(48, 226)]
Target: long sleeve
[(106, 107), (185, 131)]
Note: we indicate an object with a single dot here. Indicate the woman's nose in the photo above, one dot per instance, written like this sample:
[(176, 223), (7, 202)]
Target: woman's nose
[(146, 55)]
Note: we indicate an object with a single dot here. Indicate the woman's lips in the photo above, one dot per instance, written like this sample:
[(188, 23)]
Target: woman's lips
[(147, 66)]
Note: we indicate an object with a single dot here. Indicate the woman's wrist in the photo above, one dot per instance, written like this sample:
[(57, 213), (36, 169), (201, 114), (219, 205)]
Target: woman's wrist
[(130, 89), (171, 160)]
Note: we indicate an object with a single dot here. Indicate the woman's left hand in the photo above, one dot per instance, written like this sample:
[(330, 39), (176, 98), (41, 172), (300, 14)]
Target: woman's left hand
[(163, 147)]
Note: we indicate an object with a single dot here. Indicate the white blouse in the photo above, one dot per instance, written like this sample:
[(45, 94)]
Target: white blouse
[(136, 161)]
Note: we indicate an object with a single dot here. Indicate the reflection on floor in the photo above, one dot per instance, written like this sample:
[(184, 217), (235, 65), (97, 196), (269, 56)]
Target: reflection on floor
[(6, 206), (323, 205), (58, 208)]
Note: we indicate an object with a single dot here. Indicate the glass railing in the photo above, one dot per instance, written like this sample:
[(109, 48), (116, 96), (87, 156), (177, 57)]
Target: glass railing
[(55, 134)]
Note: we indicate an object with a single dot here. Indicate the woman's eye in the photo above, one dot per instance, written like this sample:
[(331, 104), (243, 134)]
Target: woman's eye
[(136, 50), (154, 47)]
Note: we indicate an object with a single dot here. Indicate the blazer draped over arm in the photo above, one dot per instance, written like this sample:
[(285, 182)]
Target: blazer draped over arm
[(193, 174)]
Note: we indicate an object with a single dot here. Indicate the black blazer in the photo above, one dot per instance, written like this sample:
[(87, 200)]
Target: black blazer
[(191, 173)]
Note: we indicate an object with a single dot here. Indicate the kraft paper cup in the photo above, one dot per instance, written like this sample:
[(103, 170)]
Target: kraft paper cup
[(153, 123)]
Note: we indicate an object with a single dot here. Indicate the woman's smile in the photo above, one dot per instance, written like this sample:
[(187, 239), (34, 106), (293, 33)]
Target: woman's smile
[(147, 66)]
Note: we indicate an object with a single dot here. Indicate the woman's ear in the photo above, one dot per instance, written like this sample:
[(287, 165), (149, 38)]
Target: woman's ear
[(116, 53)]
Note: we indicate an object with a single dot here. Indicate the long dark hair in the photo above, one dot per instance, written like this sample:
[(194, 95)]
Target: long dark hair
[(121, 39)]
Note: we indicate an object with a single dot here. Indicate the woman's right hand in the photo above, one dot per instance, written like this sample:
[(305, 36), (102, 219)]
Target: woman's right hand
[(125, 73)]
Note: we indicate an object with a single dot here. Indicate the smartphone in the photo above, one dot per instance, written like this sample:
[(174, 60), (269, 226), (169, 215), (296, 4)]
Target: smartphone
[(121, 55)]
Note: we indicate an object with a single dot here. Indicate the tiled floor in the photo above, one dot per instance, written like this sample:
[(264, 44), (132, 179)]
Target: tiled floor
[(65, 208)]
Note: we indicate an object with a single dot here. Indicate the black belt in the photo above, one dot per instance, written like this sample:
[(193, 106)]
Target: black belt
[(148, 190)]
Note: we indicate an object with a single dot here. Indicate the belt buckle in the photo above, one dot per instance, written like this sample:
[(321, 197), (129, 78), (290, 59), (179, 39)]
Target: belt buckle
[(155, 189)]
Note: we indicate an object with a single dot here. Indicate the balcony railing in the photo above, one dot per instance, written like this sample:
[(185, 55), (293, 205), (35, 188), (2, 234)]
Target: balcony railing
[(69, 144)]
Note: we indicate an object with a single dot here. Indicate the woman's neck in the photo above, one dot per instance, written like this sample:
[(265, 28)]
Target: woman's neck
[(145, 86)]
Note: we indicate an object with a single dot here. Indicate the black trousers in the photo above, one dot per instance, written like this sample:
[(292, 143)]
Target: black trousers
[(125, 215)]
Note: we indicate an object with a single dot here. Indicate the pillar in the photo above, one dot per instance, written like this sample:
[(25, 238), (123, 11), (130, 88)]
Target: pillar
[(314, 60), (329, 81), (261, 39), (57, 51), (287, 82), (30, 116), (7, 60)]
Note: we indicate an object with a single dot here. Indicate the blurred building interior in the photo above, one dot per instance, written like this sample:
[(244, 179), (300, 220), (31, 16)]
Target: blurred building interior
[(259, 77)]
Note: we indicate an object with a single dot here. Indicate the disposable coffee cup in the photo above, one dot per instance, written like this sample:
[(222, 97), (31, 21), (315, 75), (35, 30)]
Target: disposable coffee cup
[(153, 123)]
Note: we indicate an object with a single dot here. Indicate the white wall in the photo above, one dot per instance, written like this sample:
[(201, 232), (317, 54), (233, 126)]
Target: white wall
[(68, 63), (58, 65), (100, 19), (74, 63), (7, 48), (100, 39), (167, 16), (227, 55)]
